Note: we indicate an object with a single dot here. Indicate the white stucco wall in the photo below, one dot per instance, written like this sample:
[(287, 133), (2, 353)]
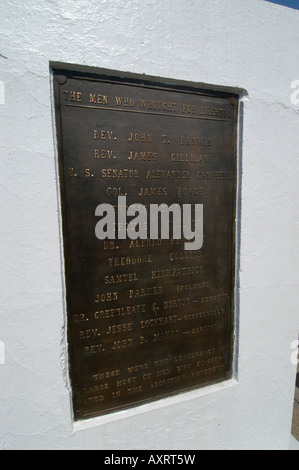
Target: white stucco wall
[(246, 44)]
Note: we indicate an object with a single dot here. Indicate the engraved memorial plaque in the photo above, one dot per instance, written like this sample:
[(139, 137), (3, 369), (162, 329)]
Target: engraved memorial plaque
[(147, 316)]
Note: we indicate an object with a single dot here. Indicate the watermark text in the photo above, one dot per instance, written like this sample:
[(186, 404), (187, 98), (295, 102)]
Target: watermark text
[(185, 222), (294, 355), (295, 94)]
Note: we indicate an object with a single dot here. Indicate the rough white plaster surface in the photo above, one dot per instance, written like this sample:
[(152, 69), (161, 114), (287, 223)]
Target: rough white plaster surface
[(240, 43)]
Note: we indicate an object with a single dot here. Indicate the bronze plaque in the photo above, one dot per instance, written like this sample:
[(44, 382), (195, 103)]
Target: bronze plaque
[(147, 318)]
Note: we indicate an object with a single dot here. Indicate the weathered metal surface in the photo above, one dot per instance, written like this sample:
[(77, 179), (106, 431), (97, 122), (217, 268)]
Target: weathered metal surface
[(146, 318)]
